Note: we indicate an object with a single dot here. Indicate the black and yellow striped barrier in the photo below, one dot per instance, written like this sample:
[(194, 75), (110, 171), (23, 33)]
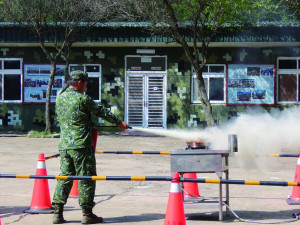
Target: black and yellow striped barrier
[(152, 178), (135, 152), (52, 156), (120, 178), (122, 152), (283, 155), (162, 153)]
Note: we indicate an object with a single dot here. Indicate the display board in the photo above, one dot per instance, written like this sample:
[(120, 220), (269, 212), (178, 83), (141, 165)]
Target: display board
[(36, 79), (251, 84)]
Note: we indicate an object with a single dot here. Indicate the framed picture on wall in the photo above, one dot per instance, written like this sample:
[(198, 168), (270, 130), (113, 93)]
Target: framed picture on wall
[(251, 84), (36, 79)]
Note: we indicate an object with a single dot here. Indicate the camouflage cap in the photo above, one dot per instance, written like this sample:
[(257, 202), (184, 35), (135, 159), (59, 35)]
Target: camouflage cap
[(78, 75)]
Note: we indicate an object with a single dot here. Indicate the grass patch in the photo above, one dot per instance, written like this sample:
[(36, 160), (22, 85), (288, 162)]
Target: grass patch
[(42, 134)]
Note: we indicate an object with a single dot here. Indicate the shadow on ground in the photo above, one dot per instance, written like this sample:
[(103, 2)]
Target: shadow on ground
[(135, 218), (259, 216)]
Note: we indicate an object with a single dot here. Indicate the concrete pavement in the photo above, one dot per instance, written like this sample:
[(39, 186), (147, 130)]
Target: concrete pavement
[(139, 202)]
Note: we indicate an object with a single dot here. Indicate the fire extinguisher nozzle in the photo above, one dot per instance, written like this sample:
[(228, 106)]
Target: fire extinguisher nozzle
[(296, 215)]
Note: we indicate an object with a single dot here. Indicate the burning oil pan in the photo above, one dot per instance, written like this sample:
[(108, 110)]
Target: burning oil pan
[(200, 144)]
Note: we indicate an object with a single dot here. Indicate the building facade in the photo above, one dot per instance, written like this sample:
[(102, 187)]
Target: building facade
[(148, 81)]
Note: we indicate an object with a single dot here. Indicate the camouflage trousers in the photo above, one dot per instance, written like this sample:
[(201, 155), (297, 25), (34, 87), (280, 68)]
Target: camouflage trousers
[(79, 162)]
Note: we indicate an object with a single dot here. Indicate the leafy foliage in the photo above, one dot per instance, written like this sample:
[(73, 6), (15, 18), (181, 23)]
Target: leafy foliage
[(200, 19), (52, 20)]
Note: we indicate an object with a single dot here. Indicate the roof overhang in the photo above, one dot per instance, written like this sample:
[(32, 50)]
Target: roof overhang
[(161, 44)]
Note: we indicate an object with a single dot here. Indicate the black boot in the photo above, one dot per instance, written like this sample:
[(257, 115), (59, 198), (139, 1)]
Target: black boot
[(58, 214), (89, 217)]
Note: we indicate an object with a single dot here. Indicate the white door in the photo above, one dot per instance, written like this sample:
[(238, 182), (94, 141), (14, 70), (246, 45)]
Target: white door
[(146, 100)]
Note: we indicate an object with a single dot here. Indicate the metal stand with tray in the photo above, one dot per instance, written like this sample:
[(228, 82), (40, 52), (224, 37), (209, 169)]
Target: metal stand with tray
[(193, 160)]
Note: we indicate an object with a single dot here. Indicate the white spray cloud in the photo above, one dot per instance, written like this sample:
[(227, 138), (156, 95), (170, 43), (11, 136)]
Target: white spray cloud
[(259, 134), (264, 133)]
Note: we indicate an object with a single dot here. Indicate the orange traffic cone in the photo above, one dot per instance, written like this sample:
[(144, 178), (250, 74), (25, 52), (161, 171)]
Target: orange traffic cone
[(175, 210), (40, 202), (74, 190), (191, 190), (294, 199)]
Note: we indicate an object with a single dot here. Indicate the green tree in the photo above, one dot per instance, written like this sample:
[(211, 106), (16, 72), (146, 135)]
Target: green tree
[(57, 24), (201, 19), (291, 9)]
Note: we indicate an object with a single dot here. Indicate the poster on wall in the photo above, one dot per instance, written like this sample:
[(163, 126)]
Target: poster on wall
[(36, 79), (251, 84)]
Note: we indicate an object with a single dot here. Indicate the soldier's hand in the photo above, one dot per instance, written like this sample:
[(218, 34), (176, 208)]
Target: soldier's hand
[(123, 125)]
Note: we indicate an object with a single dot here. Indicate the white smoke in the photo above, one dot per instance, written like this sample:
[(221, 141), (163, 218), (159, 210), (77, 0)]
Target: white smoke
[(264, 133), (259, 133)]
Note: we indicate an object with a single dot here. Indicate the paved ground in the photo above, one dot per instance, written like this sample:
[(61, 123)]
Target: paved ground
[(141, 203)]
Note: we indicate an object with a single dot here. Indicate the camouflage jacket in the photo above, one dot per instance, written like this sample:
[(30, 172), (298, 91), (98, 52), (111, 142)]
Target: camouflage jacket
[(74, 112)]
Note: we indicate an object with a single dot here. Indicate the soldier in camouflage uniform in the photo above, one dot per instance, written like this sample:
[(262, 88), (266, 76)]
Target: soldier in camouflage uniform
[(76, 146)]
